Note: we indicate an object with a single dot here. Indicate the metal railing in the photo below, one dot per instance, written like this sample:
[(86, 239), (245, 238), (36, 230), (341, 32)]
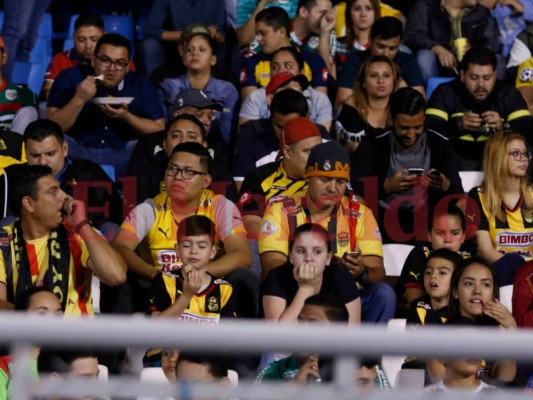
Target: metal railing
[(346, 344)]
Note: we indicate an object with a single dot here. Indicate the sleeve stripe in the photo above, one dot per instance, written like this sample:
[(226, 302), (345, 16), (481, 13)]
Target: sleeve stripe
[(518, 114), (437, 113)]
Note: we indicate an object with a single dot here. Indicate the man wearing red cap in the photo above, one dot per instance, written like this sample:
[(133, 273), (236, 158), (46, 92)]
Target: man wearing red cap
[(355, 239), (256, 105), (279, 179), (17, 104)]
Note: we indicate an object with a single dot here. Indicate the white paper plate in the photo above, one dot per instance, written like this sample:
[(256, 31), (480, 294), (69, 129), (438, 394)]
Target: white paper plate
[(113, 100)]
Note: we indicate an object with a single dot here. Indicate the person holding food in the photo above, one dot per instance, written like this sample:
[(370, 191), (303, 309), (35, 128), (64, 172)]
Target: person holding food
[(103, 107)]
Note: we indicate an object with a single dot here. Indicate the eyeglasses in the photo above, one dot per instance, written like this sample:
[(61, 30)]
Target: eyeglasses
[(106, 63), (186, 173), (519, 156)]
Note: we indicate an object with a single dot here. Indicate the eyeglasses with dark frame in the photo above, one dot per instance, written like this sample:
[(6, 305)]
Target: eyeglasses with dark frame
[(519, 156), (186, 173), (106, 63)]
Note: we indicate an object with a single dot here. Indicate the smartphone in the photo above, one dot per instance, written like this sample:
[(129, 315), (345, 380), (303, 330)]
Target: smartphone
[(416, 171), (436, 173), (351, 253)]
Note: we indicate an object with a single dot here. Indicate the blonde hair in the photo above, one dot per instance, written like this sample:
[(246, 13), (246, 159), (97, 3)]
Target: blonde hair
[(359, 98), (496, 171)]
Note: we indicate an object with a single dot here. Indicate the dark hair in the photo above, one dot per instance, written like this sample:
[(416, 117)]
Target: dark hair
[(295, 53), (196, 225), (446, 254), (41, 129), (26, 178), (89, 19), (289, 101), (210, 41), (188, 117), (453, 303), (217, 363), (315, 229), (334, 308), (23, 299), (480, 56), (452, 210), (198, 150), (59, 360), (306, 3), (113, 39), (386, 28), (276, 17), (407, 101)]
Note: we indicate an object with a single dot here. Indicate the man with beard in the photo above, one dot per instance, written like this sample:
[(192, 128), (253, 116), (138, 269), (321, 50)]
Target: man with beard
[(103, 106), (469, 109)]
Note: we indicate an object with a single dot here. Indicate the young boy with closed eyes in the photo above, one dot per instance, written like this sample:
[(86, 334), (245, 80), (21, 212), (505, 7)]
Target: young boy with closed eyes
[(191, 293)]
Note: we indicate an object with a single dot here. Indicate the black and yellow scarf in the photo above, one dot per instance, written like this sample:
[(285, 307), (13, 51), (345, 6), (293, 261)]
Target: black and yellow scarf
[(56, 277)]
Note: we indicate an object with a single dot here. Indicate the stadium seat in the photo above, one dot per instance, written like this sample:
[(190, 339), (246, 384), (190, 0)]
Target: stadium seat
[(434, 82), (394, 256), (21, 72), (45, 30), (122, 24), (153, 374), (73, 19), (68, 43), (103, 373), (393, 364), (139, 26), (109, 170), (42, 51), (506, 296), (36, 77), (470, 179), (95, 292)]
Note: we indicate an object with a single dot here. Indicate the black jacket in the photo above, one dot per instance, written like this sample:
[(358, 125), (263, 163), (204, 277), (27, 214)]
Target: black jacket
[(428, 24), (372, 158)]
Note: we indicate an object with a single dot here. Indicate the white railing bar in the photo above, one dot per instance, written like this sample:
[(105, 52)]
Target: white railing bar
[(132, 388), (256, 337)]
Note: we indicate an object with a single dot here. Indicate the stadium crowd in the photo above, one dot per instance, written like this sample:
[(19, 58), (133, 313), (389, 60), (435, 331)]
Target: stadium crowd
[(252, 158)]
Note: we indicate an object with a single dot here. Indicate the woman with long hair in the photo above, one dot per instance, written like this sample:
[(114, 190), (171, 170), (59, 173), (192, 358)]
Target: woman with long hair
[(505, 205), (359, 16), (366, 111), (312, 269), (199, 58)]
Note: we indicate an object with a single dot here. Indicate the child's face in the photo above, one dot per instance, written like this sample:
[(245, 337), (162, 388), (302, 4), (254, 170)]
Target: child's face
[(196, 250), (447, 233), (312, 313), (475, 288), (310, 249), (437, 277)]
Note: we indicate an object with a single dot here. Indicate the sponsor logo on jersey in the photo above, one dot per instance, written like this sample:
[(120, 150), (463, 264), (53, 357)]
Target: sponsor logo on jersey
[(518, 239)]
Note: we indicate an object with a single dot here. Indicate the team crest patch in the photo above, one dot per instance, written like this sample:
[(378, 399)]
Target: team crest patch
[(11, 94), (292, 210), (206, 203), (343, 239), (327, 166), (212, 304), (526, 75), (268, 228), (313, 42), (244, 199)]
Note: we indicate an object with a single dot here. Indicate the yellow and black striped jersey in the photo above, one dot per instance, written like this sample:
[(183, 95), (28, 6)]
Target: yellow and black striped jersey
[(206, 307), (515, 235)]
